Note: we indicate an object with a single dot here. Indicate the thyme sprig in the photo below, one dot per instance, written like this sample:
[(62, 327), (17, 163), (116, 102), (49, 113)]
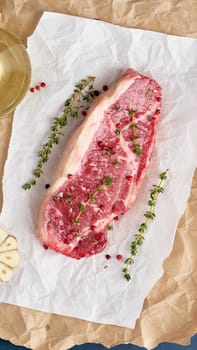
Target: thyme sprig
[(107, 181), (83, 91), (135, 137), (149, 215)]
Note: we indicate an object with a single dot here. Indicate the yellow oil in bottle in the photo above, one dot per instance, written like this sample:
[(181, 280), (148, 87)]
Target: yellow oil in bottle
[(15, 72)]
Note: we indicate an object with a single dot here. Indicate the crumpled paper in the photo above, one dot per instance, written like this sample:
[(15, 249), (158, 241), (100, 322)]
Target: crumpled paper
[(83, 288)]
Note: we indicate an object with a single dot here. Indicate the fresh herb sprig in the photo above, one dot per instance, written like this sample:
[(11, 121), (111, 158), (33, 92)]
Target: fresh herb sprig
[(107, 181), (83, 91), (149, 215), (136, 146)]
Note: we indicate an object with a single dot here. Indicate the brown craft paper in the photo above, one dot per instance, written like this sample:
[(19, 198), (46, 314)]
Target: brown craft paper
[(170, 310)]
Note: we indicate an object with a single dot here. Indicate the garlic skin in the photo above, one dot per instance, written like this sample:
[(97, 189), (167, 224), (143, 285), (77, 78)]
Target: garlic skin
[(9, 255)]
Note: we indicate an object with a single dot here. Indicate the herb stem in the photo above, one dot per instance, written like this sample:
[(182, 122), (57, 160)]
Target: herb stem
[(71, 109), (106, 182), (134, 126), (149, 215)]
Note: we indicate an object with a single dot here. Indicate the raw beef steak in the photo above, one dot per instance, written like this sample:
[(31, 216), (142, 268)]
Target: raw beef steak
[(101, 168)]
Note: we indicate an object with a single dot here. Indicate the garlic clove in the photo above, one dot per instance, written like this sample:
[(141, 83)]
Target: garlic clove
[(10, 243), (10, 258), (5, 273)]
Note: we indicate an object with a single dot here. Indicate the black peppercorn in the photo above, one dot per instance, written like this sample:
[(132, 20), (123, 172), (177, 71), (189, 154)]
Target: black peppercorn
[(96, 93)]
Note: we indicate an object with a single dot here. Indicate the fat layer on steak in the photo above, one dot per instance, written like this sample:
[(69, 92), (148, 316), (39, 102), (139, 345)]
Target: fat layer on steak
[(78, 207)]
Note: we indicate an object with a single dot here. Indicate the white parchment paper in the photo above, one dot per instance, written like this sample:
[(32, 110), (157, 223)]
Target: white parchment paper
[(63, 50)]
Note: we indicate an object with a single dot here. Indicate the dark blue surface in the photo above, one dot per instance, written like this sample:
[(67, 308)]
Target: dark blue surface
[(5, 345)]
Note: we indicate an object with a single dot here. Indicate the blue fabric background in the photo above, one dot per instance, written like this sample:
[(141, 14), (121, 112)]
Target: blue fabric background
[(5, 345)]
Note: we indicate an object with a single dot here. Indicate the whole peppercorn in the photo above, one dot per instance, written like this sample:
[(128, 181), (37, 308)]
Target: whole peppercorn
[(129, 177), (108, 256), (96, 93), (119, 257), (84, 113), (105, 88)]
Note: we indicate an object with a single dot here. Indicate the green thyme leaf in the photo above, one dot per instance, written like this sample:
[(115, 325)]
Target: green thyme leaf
[(116, 164), (76, 221), (69, 198), (99, 188), (92, 197), (134, 126), (37, 172), (74, 114), (108, 151), (149, 215), (137, 149), (143, 227), (127, 276), (27, 186), (140, 241), (82, 207), (163, 176), (107, 181), (158, 189), (125, 270), (152, 202), (129, 261), (132, 112), (152, 194), (117, 132)]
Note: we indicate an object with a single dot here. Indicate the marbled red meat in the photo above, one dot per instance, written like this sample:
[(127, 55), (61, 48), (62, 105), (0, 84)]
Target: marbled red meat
[(100, 171)]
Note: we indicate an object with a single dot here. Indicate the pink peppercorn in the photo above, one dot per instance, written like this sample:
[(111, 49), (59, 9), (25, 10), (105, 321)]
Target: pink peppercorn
[(102, 207), (45, 246), (84, 113), (92, 227), (37, 87), (101, 145), (32, 89), (118, 125), (157, 112), (119, 257), (43, 84), (105, 88), (69, 176), (116, 218), (158, 99), (129, 177)]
